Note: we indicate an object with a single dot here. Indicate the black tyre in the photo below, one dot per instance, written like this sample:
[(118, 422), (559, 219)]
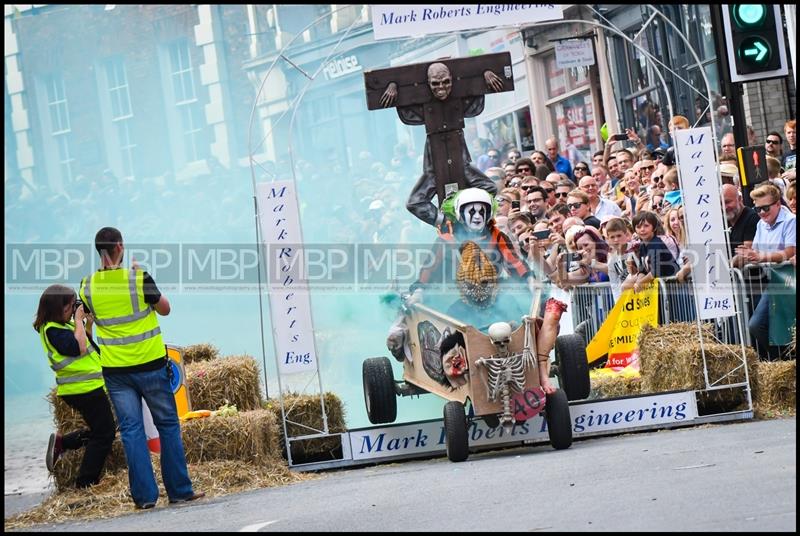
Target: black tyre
[(559, 422), (379, 395), (573, 367), (455, 426)]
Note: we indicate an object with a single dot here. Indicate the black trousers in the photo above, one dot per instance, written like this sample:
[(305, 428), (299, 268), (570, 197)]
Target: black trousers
[(95, 409)]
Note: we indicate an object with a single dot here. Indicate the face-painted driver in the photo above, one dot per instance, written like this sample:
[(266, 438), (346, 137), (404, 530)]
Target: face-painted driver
[(475, 216)]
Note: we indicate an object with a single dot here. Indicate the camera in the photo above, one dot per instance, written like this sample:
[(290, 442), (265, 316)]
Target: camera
[(77, 304)]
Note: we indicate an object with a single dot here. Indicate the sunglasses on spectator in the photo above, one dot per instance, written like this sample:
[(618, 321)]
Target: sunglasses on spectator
[(528, 186), (526, 168), (774, 142), (656, 178), (647, 167), (763, 208), (581, 168), (573, 206), (562, 194)]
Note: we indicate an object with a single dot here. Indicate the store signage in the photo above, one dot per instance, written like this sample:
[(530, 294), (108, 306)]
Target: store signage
[(574, 53), (290, 306), (417, 20), (587, 419), (341, 66), (705, 223)]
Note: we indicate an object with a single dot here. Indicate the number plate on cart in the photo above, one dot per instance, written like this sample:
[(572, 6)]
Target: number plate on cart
[(528, 404)]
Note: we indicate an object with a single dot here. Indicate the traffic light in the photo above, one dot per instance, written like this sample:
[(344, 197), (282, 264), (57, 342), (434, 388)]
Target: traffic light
[(755, 43)]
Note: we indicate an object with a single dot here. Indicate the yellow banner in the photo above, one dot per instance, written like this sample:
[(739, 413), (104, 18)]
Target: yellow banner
[(618, 337)]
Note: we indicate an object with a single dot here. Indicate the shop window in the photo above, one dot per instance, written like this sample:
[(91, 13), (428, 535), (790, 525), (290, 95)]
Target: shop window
[(561, 81), (573, 120), (513, 130)]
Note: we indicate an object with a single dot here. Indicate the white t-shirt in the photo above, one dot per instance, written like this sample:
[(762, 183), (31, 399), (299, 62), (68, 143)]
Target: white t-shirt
[(607, 208)]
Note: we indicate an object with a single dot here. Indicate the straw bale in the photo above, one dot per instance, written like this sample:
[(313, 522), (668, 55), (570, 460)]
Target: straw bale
[(66, 469), (306, 411), (199, 352), (111, 497), (670, 358), (681, 367), (65, 418), (615, 386), (234, 380), (776, 391), (250, 436)]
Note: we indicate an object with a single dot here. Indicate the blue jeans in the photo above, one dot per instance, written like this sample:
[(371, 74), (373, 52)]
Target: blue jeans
[(759, 329), (127, 391)]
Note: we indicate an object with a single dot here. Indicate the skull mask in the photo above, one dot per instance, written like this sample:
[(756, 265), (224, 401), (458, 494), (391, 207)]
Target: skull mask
[(475, 216), (439, 80)]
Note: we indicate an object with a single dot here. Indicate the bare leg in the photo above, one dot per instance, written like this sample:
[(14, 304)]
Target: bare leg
[(546, 339)]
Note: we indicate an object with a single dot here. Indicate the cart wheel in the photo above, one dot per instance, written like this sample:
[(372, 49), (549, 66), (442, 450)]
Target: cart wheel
[(573, 367), (455, 425), (559, 422), (379, 395)]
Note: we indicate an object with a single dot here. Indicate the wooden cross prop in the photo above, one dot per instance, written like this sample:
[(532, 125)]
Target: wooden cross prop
[(444, 119)]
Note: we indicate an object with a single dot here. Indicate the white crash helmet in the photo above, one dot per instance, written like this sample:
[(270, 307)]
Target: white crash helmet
[(473, 195)]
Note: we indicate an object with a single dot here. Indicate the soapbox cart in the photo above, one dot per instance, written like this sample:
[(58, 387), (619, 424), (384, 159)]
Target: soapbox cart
[(498, 377)]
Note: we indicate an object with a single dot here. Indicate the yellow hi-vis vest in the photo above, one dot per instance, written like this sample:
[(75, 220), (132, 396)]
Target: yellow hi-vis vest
[(74, 374), (127, 328)]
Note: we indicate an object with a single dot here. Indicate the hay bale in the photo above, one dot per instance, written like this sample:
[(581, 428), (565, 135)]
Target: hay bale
[(111, 498), (66, 470), (199, 352), (251, 436), (306, 410), (65, 418), (681, 367), (775, 394), (234, 380), (608, 386), (669, 356)]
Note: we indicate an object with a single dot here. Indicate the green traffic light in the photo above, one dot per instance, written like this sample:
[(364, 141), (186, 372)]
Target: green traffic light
[(755, 50), (749, 15)]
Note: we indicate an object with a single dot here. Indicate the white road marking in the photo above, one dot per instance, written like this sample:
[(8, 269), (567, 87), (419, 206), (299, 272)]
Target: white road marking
[(256, 526)]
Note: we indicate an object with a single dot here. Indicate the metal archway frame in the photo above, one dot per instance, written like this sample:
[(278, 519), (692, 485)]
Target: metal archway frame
[(293, 106)]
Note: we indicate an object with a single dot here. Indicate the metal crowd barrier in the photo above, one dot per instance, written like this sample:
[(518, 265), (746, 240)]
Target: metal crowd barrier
[(593, 301)]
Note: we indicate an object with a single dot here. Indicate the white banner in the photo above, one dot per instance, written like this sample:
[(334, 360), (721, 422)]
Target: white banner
[(574, 53), (588, 418), (419, 20), (290, 306), (701, 191)]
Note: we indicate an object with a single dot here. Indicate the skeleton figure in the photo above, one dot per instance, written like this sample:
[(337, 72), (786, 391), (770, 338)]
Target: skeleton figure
[(440, 81)]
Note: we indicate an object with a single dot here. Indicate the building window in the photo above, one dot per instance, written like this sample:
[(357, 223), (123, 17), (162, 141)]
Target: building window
[(511, 131), (59, 124), (190, 110), (121, 114), (571, 110)]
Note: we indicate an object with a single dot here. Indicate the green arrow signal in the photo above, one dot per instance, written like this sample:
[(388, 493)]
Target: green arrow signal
[(758, 50)]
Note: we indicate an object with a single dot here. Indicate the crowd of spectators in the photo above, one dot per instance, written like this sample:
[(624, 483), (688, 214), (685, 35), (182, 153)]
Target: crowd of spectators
[(620, 218), (617, 219)]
